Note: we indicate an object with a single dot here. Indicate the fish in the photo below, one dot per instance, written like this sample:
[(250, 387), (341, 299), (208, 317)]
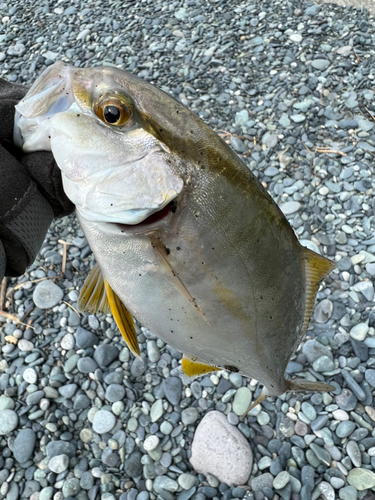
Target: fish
[(185, 238)]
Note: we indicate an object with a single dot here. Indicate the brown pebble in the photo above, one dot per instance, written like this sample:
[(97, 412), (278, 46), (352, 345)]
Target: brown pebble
[(301, 429), (128, 485)]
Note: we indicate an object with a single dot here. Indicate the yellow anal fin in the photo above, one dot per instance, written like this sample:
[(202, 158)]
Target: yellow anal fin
[(93, 297), (97, 296), (193, 366), (316, 269), (309, 385), (124, 320)]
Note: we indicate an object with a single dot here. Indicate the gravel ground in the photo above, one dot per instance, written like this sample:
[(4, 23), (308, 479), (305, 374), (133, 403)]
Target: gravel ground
[(290, 85)]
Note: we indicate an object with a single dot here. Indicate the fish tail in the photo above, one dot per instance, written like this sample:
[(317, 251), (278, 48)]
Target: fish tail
[(308, 385)]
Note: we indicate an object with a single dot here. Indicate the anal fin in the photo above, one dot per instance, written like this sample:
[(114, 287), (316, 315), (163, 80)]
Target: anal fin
[(193, 366), (97, 295)]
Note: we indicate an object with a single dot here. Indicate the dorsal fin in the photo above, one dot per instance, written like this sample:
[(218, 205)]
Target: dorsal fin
[(316, 269), (97, 296)]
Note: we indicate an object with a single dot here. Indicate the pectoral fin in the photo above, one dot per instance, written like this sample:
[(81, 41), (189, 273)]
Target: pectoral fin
[(93, 297), (193, 366), (97, 295)]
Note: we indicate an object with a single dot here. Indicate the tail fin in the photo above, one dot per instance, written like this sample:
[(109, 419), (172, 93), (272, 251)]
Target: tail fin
[(309, 385)]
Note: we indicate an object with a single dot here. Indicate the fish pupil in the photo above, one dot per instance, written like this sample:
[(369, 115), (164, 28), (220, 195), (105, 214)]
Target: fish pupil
[(111, 114)]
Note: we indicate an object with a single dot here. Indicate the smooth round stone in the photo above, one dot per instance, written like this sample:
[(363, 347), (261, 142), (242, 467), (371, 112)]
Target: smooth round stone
[(166, 428), (337, 482), (86, 435), (6, 403), (219, 448), (8, 421), (25, 345), (86, 339), (242, 400), (263, 418), (187, 481), (157, 410), (328, 493), (346, 400), (45, 493), (59, 463), (115, 392), (340, 415), (86, 365), (189, 416), (345, 428), (308, 410), (151, 442), (132, 424), (47, 294), (323, 311), (106, 353), (320, 64), (370, 377), (361, 479), (24, 444), (354, 453), (162, 483), (173, 389), (323, 364), (67, 342), (301, 429), (290, 207), (70, 487), (30, 376), (264, 463), (359, 332), (348, 493), (281, 480), (296, 37), (103, 422)]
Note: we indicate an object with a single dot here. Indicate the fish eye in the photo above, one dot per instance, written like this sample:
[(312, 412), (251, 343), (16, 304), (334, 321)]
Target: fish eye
[(113, 110)]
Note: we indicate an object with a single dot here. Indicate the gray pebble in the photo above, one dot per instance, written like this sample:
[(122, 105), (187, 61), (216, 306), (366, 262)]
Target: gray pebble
[(47, 294)]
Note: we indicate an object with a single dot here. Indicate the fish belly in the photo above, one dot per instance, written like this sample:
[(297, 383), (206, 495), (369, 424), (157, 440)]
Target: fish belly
[(251, 309)]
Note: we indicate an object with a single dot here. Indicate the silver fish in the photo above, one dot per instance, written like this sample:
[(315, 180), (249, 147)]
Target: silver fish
[(186, 238)]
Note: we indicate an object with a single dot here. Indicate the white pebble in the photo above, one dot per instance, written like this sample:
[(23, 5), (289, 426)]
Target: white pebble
[(151, 442)]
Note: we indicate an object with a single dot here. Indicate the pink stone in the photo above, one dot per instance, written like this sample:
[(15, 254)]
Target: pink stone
[(301, 428), (219, 448)]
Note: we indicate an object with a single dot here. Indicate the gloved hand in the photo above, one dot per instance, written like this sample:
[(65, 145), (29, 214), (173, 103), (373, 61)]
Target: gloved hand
[(31, 192)]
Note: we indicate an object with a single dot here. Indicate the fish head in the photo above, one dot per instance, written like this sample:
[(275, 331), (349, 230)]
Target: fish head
[(114, 169)]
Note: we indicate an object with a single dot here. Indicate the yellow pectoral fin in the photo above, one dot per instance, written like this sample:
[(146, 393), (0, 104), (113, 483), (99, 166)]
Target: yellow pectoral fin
[(124, 320), (93, 297), (97, 296), (193, 367)]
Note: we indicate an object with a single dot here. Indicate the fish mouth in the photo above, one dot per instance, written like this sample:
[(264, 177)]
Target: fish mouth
[(161, 216)]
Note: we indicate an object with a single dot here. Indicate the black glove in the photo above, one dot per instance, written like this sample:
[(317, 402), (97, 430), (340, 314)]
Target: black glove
[(31, 192)]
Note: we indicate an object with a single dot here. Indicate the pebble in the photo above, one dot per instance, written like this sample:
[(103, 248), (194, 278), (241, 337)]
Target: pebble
[(187, 481), (359, 332), (281, 480), (156, 410), (47, 294), (189, 416), (85, 339), (115, 392), (361, 479), (151, 442), (25, 345), (354, 453), (8, 421), (242, 400), (220, 449), (290, 207), (58, 463), (173, 389), (105, 353), (24, 444), (103, 422)]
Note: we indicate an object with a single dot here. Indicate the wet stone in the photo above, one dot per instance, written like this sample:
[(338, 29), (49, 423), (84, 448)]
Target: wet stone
[(47, 294)]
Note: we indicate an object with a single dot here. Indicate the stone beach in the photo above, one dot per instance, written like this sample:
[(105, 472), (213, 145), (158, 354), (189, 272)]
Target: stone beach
[(290, 86)]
